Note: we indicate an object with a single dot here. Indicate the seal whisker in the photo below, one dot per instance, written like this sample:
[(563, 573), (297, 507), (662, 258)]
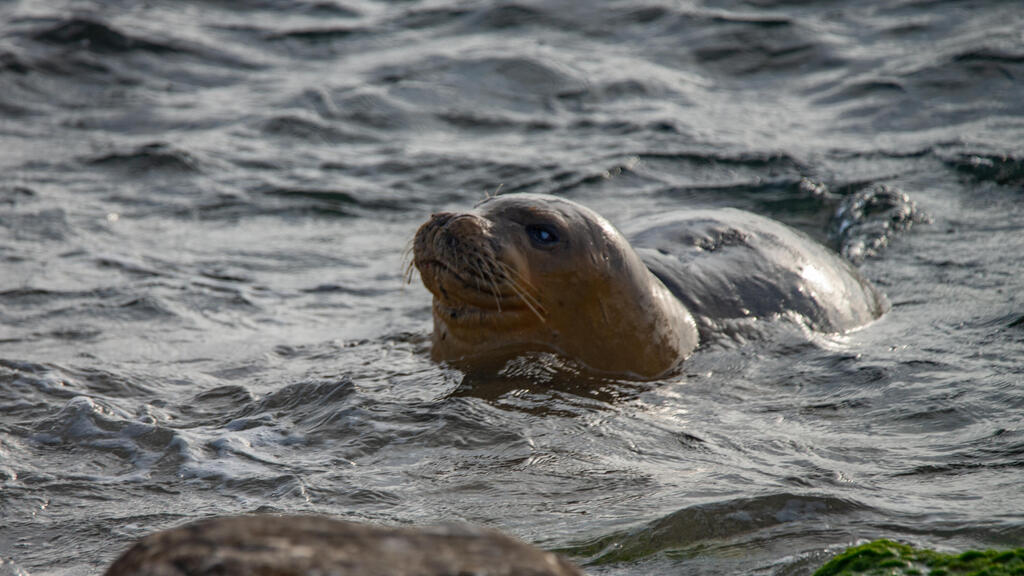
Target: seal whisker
[(409, 261), (513, 276), (465, 262), (540, 314), (491, 283), (497, 190), (516, 278), (486, 270), (525, 290), (474, 262), (410, 271), (519, 285)]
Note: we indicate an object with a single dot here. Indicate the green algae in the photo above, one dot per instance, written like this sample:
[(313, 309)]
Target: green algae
[(888, 558)]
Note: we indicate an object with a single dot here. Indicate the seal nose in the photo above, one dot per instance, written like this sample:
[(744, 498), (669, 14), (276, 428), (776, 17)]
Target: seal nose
[(442, 223), (464, 226), (447, 232)]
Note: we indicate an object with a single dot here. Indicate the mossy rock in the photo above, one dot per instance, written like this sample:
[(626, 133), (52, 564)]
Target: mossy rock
[(888, 558)]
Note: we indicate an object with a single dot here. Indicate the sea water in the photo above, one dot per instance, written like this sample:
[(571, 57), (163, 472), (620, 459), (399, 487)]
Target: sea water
[(204, 208)]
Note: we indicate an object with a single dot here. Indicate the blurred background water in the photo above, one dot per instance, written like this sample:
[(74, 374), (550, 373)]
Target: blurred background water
[(204, 207)]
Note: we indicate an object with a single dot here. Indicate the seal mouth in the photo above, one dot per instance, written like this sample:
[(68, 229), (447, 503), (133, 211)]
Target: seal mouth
[(461, 296), (455, 287), (459, 264)]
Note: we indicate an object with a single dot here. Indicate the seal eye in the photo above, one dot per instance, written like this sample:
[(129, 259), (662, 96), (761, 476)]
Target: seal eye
[(542, 234)]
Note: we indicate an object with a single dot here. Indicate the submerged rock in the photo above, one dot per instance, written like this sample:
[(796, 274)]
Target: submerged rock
[(315, 545)]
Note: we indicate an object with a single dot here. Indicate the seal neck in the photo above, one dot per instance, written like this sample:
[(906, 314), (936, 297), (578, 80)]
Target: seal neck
[(637, 329)]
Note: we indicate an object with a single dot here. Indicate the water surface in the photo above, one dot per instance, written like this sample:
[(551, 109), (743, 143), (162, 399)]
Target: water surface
[(203, 212)]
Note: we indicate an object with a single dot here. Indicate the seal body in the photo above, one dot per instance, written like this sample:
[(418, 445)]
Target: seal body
[(311, 545), (527, 272), (728, 264)]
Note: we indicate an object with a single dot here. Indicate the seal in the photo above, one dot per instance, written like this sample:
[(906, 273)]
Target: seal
[(293, 545), (529, 272)]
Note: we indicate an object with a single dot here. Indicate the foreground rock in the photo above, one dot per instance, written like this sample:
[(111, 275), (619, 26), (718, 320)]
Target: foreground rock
[(307, 545)]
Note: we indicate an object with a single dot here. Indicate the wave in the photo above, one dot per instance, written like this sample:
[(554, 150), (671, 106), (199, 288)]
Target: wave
[(154, 156), (1003, 169), (694, 527), (98, 36)]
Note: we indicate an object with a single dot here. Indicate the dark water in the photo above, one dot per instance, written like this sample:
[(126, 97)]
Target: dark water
[(204, 206)]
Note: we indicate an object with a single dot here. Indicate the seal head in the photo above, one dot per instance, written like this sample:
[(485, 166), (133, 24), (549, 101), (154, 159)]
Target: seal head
[(527, 272)]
